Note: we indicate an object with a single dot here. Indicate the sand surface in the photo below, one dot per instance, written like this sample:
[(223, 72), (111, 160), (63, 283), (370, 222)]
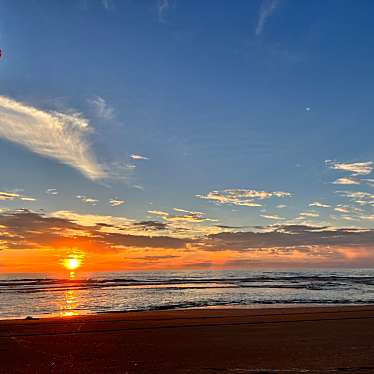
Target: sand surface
[(237, 341)]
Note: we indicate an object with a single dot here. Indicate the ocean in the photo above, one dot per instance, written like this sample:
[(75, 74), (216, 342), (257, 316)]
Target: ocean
[(40, 295)]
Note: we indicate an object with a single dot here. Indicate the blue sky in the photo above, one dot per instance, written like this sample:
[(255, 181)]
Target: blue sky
[(247, 112)]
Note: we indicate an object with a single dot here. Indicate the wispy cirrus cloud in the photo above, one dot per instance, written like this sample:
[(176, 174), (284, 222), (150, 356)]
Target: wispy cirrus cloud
[(107, 4), (356, 168), (242, 197), (266, 10), (163, 8), (102, 109), (55, 135)]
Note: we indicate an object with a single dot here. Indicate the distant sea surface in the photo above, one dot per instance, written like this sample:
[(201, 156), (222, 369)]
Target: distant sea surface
[(38, 295)]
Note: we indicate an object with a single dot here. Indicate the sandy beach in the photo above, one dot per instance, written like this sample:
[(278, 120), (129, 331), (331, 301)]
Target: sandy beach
[(293, 340)]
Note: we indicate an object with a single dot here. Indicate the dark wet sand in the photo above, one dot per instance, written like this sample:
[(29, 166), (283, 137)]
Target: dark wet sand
[(235, 341)]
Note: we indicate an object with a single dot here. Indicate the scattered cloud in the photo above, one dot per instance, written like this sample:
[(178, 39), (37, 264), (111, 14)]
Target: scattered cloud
[(317, 204), (273, 216), (116, 202), (101, 107), (359, 197), (59, 136), (370, 182), (87, 200), (266, 10), (151, 225), (186, 216), (11, 196), (356, 168), (342, 209), (51, 191), (138, 157), (241, 197), (281, 206), (309, 214), (346, 180), (158, 213)]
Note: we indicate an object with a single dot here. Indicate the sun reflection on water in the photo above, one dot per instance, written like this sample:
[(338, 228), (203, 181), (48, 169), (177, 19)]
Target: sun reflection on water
[(70, 301)]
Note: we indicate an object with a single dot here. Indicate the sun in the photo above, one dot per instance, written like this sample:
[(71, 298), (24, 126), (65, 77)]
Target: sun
[(72, 263)]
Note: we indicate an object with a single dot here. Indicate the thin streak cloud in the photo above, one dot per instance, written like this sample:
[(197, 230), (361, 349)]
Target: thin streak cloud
[(59, 136), (267, 9)]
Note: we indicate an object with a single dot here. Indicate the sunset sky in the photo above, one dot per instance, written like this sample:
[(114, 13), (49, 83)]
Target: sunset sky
[(167, 134)]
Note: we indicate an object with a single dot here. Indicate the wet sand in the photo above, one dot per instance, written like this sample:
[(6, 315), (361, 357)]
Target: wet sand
[(235, 341)]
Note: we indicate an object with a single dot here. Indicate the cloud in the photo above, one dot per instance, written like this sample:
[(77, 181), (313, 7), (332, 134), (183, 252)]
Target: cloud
[(342, 209), (368, 217), (158, 213), (187, 216), (87, 200), (11, 196), (281, 206), (51, 191), (59, 136), (116, 202), (346, 181), (107, 4), (273, 216), (291, 243), (309, 214), (120, 170), (359, 197), (24, 229), (290, 237), (163, 8), (356, 168), (155, 258), (370, 182), (319, 205), (101, 107), (151, 225), (138, 157), (266, 10), (241, 197)]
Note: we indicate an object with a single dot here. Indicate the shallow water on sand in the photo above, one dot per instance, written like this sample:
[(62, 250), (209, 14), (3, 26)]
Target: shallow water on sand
[(50, 295)]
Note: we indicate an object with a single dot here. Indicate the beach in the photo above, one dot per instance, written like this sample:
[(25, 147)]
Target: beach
[(277, 340)]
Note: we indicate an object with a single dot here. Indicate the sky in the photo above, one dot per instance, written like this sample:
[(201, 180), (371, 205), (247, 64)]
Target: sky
[(175, 134)]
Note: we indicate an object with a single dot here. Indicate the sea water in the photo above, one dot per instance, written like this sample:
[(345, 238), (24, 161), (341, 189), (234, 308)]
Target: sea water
[(22, 295)]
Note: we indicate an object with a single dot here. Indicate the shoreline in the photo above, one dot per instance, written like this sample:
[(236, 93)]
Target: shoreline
[(309, 339), (210, 307)]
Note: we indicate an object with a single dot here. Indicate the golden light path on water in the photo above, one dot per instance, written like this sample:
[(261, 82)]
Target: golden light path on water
[(70, 301)]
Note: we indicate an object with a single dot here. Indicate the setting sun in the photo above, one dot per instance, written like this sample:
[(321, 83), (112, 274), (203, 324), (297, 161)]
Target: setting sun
[(72, 263)]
